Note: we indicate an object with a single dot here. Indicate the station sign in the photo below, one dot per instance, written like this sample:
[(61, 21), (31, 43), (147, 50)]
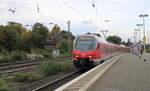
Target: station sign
[(85, 38)]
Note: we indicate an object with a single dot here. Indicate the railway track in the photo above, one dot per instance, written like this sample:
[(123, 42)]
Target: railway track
[(51, 86), (10, 68)]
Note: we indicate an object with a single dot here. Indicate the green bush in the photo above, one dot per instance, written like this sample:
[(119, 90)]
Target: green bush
[(3, 83), (67, 66), (13, 57), (19, 56), (20, 77), (62, 46), (6, 60), (33, 77), (51, 68), (5, 89), (25, 77), (47, 55), (65, 54)]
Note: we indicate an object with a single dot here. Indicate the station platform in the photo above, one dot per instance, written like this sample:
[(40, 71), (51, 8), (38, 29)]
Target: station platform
[(129, 73), (125, 72)]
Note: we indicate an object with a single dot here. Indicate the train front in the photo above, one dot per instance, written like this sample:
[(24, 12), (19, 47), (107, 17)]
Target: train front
[(84, 51)]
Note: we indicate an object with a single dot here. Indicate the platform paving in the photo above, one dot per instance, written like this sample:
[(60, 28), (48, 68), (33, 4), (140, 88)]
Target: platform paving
[(129, 73)]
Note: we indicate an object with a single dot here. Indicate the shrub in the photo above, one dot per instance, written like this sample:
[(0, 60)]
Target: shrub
[(25, 77), (19, 56), (47, 55), (65, 54), (3, 84), (33, 77), (20, 77), (50, 68), (67, 66), (62, 46), (5, 89), (6, 59)]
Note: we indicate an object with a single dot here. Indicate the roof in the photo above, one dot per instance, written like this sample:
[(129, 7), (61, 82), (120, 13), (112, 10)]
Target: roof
[(102, 40)]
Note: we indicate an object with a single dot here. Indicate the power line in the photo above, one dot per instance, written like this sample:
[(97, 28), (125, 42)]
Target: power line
[(72, 9)]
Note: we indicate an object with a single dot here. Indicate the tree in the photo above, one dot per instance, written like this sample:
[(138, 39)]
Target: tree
[(41, 29), (39, 35), (114, 39), (15, 26), (11, 40), (62, 46), (10, 36), (56, 29), (65, 35)]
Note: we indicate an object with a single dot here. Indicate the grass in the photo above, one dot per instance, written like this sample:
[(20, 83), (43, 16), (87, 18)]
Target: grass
[(7, 83), (5, 89), (26, 77), (4, 84)]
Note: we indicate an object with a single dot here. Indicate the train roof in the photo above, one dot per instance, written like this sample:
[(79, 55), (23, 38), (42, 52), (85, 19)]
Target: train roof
[(102, 40)]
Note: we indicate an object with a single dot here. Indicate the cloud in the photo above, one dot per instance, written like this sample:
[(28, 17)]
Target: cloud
[(123, 14)]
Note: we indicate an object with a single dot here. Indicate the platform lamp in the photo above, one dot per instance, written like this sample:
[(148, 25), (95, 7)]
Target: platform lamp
[(143, 16), (139, 27), (138, 30)]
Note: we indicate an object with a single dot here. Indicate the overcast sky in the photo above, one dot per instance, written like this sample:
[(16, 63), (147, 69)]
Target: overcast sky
[(122, 14)]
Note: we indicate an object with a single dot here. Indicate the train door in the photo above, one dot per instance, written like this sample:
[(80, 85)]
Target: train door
[(98, 48)]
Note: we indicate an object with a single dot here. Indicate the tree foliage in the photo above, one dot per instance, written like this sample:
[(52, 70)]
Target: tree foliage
[(13, 37), (56, 29), (10, 38), (114, 39), (39, 35), (65, 35), (41, 29), (63, 46)]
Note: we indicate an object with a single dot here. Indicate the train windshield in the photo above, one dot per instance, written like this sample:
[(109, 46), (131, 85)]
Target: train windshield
[(84, 44)]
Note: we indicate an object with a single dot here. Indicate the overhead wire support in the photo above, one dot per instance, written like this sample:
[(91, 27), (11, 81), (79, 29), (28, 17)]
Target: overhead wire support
[(93, 4), (12, 6), (38, 9)]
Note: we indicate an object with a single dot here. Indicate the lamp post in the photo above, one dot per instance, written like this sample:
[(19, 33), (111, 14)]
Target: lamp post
[(139, 27), (144, 37), (138, 30), (136, 37)]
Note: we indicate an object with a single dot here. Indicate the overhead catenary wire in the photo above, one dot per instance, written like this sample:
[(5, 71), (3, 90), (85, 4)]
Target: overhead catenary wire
[(39, 12), (73, 9)]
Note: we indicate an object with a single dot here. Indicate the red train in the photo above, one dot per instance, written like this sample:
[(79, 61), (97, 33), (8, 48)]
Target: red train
[(90, 50)]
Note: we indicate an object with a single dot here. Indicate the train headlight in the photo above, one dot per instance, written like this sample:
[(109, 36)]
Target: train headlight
[(77, 56), (91, 56), (74, 55)]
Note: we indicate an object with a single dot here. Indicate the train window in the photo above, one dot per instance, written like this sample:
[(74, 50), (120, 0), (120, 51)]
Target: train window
[(84, 44)]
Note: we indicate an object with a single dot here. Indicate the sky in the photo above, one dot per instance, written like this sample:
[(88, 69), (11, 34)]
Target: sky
[(122, 15)]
